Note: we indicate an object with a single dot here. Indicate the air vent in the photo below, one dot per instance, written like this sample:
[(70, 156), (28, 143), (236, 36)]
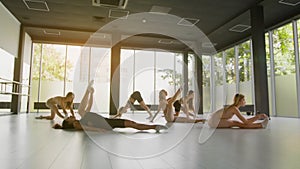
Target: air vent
[(239, 28), (290, 2), (37, 5), (188, 22), (110, 3), (118, 14)]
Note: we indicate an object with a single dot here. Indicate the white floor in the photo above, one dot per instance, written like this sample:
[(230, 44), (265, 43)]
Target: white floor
[(32, 144)]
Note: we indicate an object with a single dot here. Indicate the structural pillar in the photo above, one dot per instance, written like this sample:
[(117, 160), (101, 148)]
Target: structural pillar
[(199, 82), (259, 60), (185, 73), (18, 74), (115, 75)]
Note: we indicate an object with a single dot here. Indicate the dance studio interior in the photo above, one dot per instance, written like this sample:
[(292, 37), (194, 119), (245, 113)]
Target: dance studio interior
[(150, 84)]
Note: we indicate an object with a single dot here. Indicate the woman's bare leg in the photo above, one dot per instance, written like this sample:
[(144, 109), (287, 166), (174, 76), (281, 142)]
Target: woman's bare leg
[(232, 123), (144, 106), (187, 120), (139, 126), (160, 107), (87, 101)]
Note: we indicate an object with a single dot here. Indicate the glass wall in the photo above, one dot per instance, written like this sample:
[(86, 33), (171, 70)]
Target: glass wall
[(206, 67), (230, 75), (58, 69), (149, 72), (165, 75), (219, 71), (144, 74), (245, 67), (126, 74), (6, 73), (284, 69), (270, 73)]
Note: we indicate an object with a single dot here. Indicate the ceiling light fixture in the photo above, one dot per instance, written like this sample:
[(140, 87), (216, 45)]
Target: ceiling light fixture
[(37, 5), (289, 2), (239, 28), (188, 21)]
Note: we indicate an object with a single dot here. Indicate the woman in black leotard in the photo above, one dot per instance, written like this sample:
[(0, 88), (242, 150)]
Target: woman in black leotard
[(136, 95)]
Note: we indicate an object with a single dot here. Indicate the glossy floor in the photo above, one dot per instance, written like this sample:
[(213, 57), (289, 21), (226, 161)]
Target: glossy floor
[(32, 144)]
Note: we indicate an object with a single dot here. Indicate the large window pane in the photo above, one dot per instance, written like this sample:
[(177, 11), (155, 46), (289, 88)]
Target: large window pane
[(192, 83), (144, 75), (48, 71), (219, 79), (268, 59), (206, 66), (245, 71), (52, 71), (100, 72), (73, 54), (285, 76), (126, 74), (7, 67), (179, 64), (230, 75), (165, 75)]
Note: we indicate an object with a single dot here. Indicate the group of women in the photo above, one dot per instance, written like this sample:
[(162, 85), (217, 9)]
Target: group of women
[(222, 118)]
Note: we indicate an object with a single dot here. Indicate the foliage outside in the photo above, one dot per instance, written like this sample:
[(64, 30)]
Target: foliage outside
[(52, 65)]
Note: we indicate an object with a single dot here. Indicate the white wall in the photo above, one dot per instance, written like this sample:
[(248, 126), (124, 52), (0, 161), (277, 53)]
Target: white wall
[(9, 31)]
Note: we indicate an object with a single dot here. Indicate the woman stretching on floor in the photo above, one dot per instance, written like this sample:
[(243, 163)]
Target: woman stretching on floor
[(129, 104), (222, 117), (57, 102), (167, 107), (95, 122)]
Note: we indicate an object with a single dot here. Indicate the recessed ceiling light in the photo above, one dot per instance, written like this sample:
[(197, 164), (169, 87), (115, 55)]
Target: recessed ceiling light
[(37, 5), (188, 21), (289, 2), (239, 28)]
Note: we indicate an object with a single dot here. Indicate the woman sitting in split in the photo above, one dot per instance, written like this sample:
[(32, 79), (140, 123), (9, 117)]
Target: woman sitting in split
[(129, 104), (167, 107), (222, 118), (95, 122), (57, 102)]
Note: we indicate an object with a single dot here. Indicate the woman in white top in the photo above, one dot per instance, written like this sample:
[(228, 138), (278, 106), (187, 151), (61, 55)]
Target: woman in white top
[(222, 118)]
